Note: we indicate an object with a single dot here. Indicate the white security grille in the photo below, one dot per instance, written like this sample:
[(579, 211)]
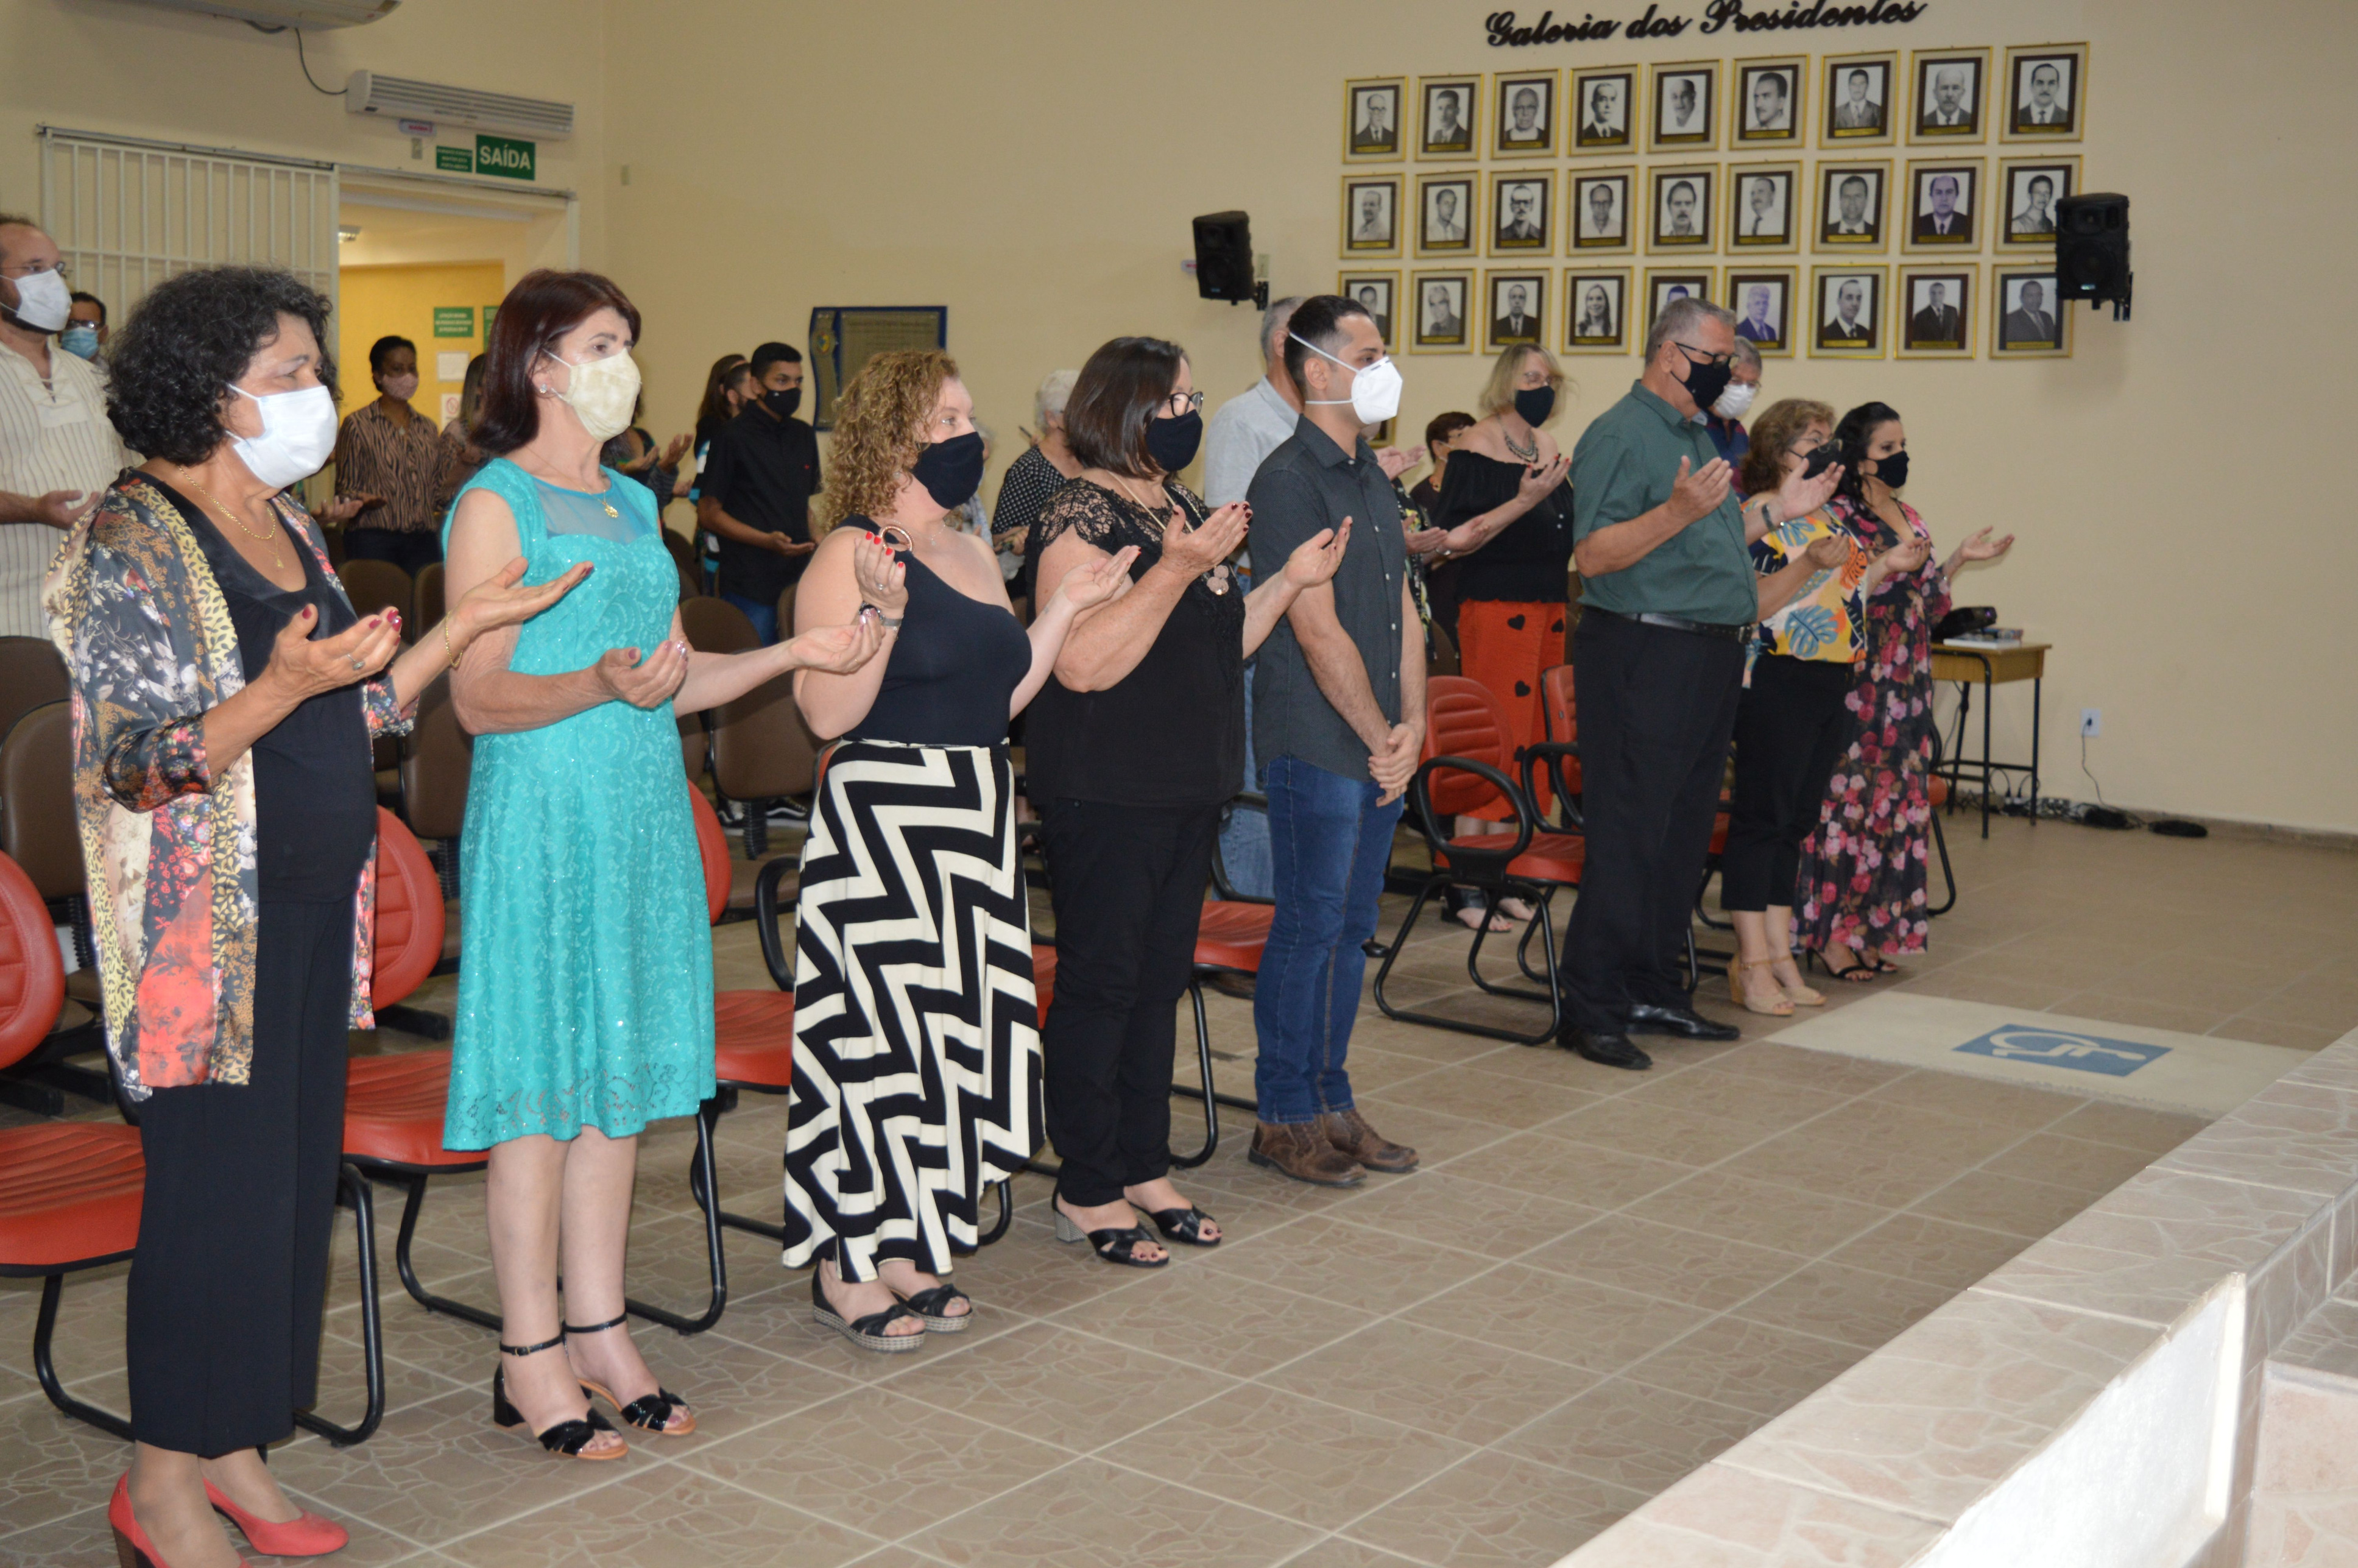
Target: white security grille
[(128, 214)]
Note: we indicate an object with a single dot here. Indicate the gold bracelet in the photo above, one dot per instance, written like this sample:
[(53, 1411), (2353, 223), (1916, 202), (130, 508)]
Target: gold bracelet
[(448, 653)]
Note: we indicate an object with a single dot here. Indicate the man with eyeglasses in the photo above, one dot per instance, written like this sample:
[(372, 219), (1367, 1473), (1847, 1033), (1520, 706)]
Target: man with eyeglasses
[(1668, 592), (56, 449)]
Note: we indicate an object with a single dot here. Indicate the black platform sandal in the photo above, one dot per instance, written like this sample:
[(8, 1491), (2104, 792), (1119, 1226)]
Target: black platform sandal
[(932, 1308), (649, 1412), (1113, 1245), (868, 1333), (1185, 1225), (569, 1438)]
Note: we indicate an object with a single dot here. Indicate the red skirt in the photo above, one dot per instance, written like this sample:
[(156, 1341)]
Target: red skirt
[(1506, 647)]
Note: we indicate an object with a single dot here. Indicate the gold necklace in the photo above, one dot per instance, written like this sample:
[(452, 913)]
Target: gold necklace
[(1218, 578), (269, 536)]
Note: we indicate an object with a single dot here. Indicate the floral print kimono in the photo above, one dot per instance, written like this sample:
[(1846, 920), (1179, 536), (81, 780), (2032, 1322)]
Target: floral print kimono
[(169, 847)]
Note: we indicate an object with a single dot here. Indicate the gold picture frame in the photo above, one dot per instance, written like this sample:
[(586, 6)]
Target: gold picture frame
[(1858, 100), (1832, 226), (1702, 282), (1497, 302), (1462, 214), (1519, 218), (2020, 108), (1358, 95), (1752, 121), (1683, 107), (1458, 286), (1429, 111), (1682, 194), (2015, 225), (1934, 308), (1773, 229), (1864, 332), (1510, 92), (1948, 97), (1923, 229), (1589, 137), (1773, 337), (1614, 284), (1358, 240), (1584, 236), (1385, 283), (2010, 297)]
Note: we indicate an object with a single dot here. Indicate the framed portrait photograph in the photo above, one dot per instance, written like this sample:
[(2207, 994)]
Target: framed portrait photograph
[(1767, 107), (1371, 214), (1371, 120), (1373, 292), (1666, 284), (1949, 95), (1762, 299), (1680, 208), (1517, 303), (1438, 314), (1596, 211), (1944, 206), (2027, 191), (1763, 204), (1596, 311), (1682, 114), (1846, 312), (1522, 206), (1447, 213), (1449, 113), (1604, 110), (2027, 320), (1857, 106), (1523, 114), (1853, 202), (2046, 92), (1936, 312)]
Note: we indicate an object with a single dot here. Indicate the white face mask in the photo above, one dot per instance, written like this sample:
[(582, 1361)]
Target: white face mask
[(1375, 391), (299, 434), (602, 392), (43, 301), (1736, 400)]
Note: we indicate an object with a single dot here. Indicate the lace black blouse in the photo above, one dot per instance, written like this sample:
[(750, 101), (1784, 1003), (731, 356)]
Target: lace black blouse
[(1529, 560)]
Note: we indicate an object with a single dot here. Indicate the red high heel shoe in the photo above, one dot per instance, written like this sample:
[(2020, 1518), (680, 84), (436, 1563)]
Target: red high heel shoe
[(310, 1536), (132, 1547)]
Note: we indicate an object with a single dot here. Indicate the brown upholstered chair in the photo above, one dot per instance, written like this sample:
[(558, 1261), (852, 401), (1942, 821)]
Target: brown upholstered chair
[(373, 586), (786, 611), (429, 598), (32, 672), (39, 831), (436, 756), (681, 550), (761, 751)]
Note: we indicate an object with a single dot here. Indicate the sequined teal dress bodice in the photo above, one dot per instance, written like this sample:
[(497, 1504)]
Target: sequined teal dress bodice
[(584, 975)]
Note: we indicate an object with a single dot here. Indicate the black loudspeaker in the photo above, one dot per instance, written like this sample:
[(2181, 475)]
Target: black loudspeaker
[(2092, 250), (1224, 259)]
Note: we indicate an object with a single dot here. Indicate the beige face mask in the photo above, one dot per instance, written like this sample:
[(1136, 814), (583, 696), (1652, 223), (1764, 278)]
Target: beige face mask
[(602, 392)]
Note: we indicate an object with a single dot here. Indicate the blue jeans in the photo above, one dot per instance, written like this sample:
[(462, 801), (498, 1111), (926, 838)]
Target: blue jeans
[(1330, 842), (764, 617), (1244, 842)]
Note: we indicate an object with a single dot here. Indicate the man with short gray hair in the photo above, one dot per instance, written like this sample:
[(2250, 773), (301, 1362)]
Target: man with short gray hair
[(1667, 595)]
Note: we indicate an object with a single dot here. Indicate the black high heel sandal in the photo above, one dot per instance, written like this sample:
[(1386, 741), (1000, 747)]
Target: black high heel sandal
[(1114, 1244), (868, 1333), (1859, 973), (649, 1412), (1185, 1225), (569, 1438)]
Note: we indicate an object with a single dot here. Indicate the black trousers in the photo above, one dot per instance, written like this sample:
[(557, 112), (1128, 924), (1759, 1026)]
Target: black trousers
[(1789, 732), (413, 553), (1128, 894), (222, 1325), (1657, 706)]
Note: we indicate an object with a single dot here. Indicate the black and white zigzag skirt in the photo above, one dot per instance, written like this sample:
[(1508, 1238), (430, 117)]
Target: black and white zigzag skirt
[(916, 1033)]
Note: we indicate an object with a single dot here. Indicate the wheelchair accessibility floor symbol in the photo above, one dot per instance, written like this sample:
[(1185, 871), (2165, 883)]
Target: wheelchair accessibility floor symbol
[(2064, 1048)]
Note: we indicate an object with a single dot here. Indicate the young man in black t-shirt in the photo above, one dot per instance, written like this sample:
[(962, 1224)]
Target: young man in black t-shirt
[(755, 490)]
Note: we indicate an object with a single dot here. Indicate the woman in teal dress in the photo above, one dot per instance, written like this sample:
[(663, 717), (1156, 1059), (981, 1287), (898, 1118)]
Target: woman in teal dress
[(585, 994)]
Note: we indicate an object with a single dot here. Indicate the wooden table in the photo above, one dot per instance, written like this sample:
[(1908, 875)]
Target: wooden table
[(2025, 661)]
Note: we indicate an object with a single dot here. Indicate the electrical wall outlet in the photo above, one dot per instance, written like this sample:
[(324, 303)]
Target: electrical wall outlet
[(2092, 722)]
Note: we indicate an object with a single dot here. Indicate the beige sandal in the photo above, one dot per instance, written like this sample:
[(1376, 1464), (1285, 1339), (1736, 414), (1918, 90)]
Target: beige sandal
[(1797, 991), (1780, 1006)]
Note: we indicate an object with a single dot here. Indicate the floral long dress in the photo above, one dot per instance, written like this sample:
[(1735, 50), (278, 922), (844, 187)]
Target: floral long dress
[(1863, 874)]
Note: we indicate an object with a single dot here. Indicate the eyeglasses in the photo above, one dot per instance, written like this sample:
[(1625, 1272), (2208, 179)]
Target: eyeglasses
[(1806, 445), (1697, 357), (30, 269), (1179, 404)]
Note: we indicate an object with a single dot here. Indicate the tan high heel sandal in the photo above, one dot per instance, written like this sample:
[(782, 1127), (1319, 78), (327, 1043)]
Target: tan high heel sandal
[(1778, 1007), (1799, 993)]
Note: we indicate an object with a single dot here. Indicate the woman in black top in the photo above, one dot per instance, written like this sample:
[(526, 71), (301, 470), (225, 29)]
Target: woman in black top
[(1131, 752), (1505, 508), (917, 1047), (1428, 544)]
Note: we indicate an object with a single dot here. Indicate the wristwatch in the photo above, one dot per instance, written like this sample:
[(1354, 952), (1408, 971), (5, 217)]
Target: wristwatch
[(890, 623)]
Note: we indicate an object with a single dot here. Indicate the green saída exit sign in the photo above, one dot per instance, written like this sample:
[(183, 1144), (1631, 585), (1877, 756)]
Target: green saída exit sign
[(506, 156), (454, 160), (454, 320)]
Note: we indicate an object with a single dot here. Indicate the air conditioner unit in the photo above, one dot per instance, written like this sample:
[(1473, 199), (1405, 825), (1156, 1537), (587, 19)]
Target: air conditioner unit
[(289, 13), (404, 98)]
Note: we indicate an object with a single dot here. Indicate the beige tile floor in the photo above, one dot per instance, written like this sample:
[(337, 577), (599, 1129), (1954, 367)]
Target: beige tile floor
[(1598, 1281)]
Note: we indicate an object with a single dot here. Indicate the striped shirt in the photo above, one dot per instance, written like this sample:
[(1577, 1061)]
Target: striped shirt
[(402, 464), (54, 435)]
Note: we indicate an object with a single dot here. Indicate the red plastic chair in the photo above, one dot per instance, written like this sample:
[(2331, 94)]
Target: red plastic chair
[(1468, 750), (1559, 712), (70, 1191)]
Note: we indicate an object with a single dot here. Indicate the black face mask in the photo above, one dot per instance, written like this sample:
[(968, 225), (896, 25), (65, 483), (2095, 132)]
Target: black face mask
[(1893, 470), (950, 470), (1534, 403), (783, 402), (1707, 381), (1172, 443), (1822, 457)]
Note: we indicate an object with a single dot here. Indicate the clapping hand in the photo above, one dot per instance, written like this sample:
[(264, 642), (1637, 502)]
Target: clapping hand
[(1799, 496), (1697, 494), (788, 546), (1982, 548), (674, 449), (1397, 461), (839, 650), (642, 683), (1907, 556), (497, 601), (301, 669), (344, 508), (1539, 480), (1192, 552), (63, 508), (1100, 581), (1395, 763), (882, 578), (1828, 553), (1317, 558)]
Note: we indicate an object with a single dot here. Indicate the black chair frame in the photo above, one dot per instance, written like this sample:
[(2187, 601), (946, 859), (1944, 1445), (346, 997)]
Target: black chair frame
[(45, 1328)]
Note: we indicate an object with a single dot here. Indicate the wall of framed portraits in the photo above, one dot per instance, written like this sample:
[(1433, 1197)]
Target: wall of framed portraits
[(1034, 167)]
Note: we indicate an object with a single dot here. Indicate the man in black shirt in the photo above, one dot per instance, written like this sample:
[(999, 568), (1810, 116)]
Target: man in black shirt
[(756, 490)]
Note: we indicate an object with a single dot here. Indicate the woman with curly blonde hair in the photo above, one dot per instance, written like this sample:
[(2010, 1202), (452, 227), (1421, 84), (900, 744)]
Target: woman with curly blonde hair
[(917, 1037)]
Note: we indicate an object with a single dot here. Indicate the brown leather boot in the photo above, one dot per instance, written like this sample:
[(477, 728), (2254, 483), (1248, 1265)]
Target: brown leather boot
[(1299, 1149), (1349, 1131)]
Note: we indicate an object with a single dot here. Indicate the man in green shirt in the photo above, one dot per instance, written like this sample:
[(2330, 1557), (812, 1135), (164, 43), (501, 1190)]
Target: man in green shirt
[(1666, 594)]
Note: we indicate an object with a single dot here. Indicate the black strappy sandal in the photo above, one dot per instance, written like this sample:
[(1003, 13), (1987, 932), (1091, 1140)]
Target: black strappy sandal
[(1115, 1246), (566, 1437), (649, 1412), (1185, 1225), (932, 1308), (1859, 973), (868, 1333)]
